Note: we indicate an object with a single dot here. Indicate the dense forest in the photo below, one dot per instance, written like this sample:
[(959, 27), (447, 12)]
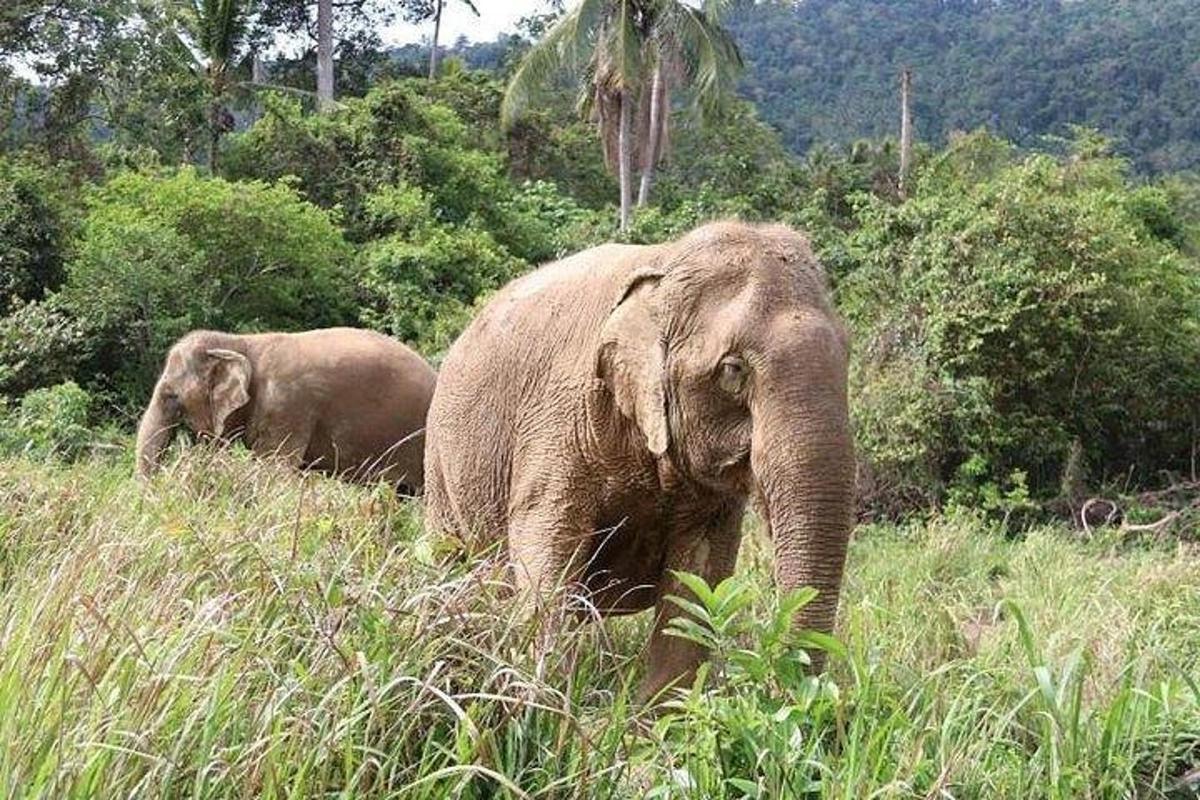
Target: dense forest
[(403, 208), (826, 70)]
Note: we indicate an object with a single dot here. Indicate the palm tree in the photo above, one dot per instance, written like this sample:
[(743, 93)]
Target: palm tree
[(438, 6), (630, 54), (687, 46), (213, 32)]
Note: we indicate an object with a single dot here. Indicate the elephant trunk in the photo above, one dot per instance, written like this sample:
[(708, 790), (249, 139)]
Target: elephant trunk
[(155, 433), (804, 467)]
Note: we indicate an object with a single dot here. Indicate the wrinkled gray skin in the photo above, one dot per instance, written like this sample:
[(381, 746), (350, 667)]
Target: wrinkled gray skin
[(610, 414), (340, 400)]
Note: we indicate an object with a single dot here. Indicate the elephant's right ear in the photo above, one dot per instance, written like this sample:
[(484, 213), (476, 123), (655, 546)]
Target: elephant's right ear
[(230, 385), (631, 360)]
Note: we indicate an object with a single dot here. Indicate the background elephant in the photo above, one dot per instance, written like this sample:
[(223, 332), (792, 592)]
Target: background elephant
[(611, 413), (339, 400)]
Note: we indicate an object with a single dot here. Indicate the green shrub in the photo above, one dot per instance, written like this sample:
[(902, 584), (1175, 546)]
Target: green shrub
[(542, 224), (1010, 308), (49, 423), (405, 134), (35, 227), (39, 345), (421, 277), (162, 254)]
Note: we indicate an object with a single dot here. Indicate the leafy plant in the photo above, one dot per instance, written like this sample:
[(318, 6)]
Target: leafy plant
[(1013, 306), (49, 423), (160, 255), (752, 712)]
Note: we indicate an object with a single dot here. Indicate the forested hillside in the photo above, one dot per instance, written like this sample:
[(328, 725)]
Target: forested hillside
[(826, 70)]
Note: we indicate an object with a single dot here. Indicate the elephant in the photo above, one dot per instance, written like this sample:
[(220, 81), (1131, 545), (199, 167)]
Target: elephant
[(341, 401), (607, 417)]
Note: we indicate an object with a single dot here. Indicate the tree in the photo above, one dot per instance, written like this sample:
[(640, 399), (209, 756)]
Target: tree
[(905, 127), (629, 53), (325, 53), (357, 23), (422, 10), (214, 33)]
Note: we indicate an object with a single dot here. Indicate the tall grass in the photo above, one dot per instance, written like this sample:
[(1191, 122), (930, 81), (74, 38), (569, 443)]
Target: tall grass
[(234, 630)]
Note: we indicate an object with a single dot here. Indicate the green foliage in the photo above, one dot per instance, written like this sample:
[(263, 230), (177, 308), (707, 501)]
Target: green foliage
[(393, 136), (40, 344), (422, 278), (268, 634), (752, 709), (1002, 315), (735, 157), (48, 423), (827, 71), (35, 227), (551, 144), (163, 254)]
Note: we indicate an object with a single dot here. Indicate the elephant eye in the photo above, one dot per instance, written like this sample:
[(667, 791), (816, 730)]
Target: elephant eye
[(731, 375)]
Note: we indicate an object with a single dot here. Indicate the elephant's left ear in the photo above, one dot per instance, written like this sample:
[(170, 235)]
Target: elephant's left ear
[(230, 385), (631, 360)]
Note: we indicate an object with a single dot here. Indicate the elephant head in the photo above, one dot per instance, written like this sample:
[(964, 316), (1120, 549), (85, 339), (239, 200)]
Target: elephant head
[(202, 386), (724, 354)]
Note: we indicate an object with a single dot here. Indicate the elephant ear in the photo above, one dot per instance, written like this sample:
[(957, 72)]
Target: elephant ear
[(631, 360), (230, 389)]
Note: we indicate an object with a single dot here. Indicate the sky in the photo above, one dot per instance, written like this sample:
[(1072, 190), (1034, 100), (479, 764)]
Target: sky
[(495, 16)]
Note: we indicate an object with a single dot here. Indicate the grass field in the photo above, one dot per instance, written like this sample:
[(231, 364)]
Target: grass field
[(235, 631)]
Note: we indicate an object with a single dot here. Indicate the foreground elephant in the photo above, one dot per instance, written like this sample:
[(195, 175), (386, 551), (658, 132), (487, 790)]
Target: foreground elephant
[(340, 400), (610, 414)]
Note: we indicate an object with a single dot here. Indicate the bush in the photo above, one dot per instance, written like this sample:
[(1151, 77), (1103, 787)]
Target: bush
[(49, 423), (163, 254), (39, 345), (1011, 309), (35, 226), (422, 277), (406, 134)]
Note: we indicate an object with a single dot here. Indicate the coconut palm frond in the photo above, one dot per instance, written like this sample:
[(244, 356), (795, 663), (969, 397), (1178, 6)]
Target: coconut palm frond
[(709, 55), (565, 47), (623, 48)]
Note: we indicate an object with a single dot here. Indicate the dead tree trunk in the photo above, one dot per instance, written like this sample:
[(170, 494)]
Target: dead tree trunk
[(324, 54), (905, 128), (433, 50)]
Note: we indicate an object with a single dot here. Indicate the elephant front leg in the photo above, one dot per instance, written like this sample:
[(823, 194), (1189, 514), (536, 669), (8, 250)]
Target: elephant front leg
[(544, 554), (284, 441), (710, 551)]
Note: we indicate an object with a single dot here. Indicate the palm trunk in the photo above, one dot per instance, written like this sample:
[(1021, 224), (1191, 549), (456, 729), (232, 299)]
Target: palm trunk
[(624, 159), (905, 128), (214, 134), (214, 140), (324, 54), (433, 50), (258, 77), (653, 135)]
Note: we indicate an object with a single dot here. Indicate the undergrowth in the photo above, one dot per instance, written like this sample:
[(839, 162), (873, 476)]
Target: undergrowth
[(234, 630)]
